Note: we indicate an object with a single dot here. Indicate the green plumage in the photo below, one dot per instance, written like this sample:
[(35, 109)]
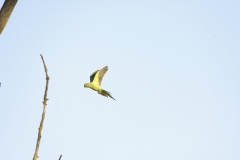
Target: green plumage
[(93, 75)]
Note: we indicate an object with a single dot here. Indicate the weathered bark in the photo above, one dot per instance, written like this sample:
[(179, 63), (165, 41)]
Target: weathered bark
[(6, 12)]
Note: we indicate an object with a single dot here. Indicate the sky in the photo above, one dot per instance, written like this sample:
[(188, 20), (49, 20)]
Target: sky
[(173, 70)]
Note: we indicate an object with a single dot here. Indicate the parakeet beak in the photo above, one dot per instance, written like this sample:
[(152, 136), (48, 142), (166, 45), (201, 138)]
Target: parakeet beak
[(84, 86)]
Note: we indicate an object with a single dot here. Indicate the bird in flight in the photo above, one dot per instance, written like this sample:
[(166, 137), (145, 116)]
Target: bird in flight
[(96, 80)]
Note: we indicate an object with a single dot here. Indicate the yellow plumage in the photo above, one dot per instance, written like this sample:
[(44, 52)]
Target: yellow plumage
[(96, 80)]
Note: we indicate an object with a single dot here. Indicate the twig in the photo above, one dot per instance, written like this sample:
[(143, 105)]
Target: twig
[(60, 157), (44, 111)]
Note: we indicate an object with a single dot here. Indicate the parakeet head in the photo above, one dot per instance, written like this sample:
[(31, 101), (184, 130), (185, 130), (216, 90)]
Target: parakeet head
[(86, 85)]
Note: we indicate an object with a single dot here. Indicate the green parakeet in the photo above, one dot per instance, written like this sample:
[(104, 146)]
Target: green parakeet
[(95, 82)]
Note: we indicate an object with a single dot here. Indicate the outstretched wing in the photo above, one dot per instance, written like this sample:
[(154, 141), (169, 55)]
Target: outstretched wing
[(93, 75), (97, 76), (101, 74)]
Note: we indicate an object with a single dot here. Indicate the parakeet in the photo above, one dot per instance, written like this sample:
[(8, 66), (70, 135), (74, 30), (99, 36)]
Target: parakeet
[(95, 82)]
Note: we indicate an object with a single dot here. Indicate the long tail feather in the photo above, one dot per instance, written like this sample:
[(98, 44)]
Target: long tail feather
[(105, 93)]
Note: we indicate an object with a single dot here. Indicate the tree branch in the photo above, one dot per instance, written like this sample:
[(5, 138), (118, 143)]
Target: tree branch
[(60, 157), (6, 12), (43, 113)]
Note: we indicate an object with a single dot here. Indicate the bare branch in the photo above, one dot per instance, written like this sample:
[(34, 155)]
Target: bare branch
[(6, 12), (44, 111), (60, 157)]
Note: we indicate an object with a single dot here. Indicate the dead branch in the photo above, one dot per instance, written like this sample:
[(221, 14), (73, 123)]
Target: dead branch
[(6, 12), (43, 113)]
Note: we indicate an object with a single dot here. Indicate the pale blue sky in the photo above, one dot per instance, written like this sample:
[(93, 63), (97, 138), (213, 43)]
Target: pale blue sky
[(173, 70)]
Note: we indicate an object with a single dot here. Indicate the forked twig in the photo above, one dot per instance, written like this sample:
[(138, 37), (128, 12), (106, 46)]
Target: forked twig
[(44, 111)]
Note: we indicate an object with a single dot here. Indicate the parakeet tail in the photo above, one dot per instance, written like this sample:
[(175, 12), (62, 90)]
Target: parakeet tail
[(105, 93)]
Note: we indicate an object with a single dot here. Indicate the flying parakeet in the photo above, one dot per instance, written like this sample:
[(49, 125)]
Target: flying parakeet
[(95, 82)]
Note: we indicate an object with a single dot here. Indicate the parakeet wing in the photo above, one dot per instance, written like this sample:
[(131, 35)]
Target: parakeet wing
[(93, 75), (101, 74), (97, 76)]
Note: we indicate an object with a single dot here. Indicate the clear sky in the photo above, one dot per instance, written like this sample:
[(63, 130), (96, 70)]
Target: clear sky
[(173, 70)]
